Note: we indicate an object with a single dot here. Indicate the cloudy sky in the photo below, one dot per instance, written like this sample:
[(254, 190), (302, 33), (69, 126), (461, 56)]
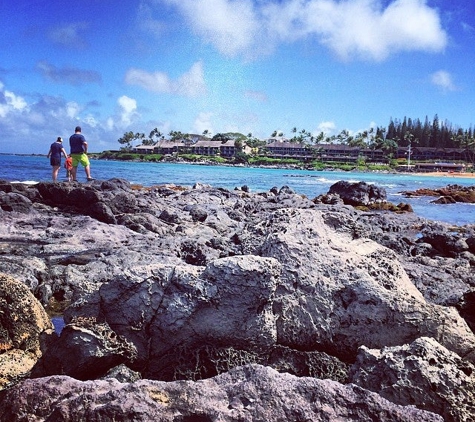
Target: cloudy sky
[(229, 65)]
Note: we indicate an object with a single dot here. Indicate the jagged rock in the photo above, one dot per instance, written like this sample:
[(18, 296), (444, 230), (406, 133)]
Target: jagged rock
[(471, 244), (248, 393), (143, 223), (116, 184), (169, 217), (446, 243), (326, 281), (444, 200), (423, 373), (123, 374), (101, 212), (327, 292), (447, 195), (73, 194), (337, 293), (360, 193), (15, 202), (228, 304), (330, 199), (23, 323), (198, 213), (466, 307), (85, 350), (286, 190)]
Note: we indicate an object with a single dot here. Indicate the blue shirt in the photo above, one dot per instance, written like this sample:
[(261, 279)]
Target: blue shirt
[(76, 142), (56, 148)]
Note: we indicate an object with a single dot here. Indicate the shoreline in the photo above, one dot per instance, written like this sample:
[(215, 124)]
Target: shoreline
[(443, 174), (439, 174)]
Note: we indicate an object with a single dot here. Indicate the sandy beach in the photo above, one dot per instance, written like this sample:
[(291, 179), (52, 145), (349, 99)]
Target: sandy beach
[(445, 174)]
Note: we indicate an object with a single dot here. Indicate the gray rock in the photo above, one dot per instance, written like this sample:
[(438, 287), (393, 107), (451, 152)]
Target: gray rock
[(15, 202), (85, 349), (198, 213), (447, 244), (270, 278), (123, 374), (423, 373), (228, 304), (337, 293), (359, 193), (248, 393)]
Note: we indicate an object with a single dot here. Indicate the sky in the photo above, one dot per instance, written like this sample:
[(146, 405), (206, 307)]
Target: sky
[(249, 66)]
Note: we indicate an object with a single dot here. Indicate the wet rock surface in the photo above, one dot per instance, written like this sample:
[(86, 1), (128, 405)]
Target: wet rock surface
[(447, 195), (178, 283)]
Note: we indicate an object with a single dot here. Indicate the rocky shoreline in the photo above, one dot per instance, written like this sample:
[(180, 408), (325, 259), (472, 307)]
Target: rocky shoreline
[(206, 304), (450, 194)]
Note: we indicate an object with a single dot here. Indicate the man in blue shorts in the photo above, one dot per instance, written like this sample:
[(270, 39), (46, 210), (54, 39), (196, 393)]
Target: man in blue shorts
[(78, 145)]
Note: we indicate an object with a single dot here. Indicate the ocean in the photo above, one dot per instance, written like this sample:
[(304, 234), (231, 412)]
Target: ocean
[(32, 169)]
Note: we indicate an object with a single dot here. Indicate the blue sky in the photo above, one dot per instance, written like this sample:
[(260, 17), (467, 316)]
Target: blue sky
[(229, 65)]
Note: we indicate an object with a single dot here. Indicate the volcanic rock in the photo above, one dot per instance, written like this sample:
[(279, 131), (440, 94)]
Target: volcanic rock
[(24, 326), (422, 373), (248, 393)]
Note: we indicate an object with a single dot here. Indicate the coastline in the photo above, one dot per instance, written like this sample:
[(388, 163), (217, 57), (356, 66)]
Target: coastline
[(444, 174), (95, 156)]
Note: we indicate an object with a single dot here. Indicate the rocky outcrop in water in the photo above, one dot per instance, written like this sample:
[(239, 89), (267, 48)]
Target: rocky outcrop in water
[(361, 195), (187, 284), (447, 195)]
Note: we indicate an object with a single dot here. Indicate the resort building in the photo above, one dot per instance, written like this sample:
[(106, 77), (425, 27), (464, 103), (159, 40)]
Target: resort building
[(437, 167), (434, 159)]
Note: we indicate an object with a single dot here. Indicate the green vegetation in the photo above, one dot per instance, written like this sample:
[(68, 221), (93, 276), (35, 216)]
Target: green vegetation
[(408, 133), (266, 161), (195, 158)]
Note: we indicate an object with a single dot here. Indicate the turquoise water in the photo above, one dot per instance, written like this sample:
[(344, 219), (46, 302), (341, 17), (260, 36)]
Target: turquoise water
[(309, 183)]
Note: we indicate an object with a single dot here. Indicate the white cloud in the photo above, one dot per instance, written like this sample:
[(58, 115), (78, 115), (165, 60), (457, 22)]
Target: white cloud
[(229, 25), (128, 110), (351, 29), (363, 29), (443, 80), (326, 127), (44, 118), (72, 109), (190, 84), (203, 122), (10, 102)]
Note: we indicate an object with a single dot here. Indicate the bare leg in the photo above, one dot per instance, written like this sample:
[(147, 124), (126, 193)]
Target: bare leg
[(74, 171), (87, 169), (55, 173)]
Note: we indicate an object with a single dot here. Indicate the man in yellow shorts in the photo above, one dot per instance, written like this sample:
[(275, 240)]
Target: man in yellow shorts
[(78, 145)]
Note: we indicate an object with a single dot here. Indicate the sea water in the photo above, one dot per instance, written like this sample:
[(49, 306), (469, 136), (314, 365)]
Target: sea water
[(31, 169)]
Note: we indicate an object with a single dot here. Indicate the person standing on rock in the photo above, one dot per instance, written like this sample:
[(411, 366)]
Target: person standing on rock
[(54, 155), (78, 145), (68, 165)]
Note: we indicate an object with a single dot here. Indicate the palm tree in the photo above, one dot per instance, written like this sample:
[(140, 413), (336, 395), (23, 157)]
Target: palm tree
[(154, 136)]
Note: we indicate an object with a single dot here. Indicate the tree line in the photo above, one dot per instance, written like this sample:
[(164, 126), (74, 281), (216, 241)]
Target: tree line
[(398, 133)]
